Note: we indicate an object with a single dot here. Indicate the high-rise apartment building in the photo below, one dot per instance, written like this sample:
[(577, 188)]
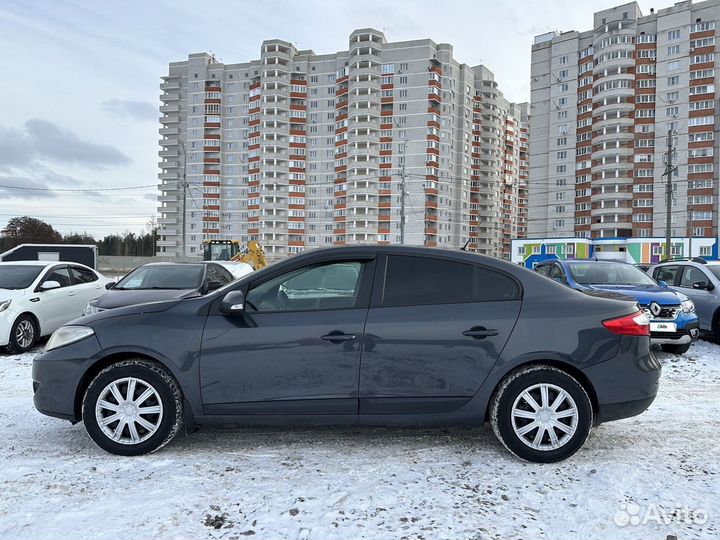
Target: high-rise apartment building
[(603, 102), (299, 150)]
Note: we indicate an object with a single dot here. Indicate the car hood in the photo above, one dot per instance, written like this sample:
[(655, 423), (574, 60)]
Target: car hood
[(136, 309), (644, 294), (115, 298)]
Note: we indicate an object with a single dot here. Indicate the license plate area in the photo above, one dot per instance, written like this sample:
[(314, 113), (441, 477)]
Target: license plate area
[(663, 327)]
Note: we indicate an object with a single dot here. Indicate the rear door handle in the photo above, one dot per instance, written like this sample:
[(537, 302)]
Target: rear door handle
[(338, 337), (480, 332), (71, 293)]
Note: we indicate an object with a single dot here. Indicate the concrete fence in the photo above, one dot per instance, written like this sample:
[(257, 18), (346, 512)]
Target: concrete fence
[(118, 264)]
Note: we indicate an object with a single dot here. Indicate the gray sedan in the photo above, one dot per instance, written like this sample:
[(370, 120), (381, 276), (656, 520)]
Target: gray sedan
[(358, 335)]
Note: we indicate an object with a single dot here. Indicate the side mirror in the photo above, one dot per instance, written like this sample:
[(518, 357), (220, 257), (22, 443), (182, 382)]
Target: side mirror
[(110, 285), (663, 284), (703, 286), (233, 303), (212, 286), (49, 285)]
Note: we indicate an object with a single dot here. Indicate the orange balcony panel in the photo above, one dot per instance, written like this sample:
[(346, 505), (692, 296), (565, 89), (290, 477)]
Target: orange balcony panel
[(386, 113), (384, 125), (213, 124), (297, 120), (434, 124), (211, 136), (386, 100), (430, 243), (386, 165), (211, 160), (212, 101), (211, 171), (387, 86)]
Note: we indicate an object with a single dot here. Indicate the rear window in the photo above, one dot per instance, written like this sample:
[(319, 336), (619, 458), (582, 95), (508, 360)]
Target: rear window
[(421, 280)]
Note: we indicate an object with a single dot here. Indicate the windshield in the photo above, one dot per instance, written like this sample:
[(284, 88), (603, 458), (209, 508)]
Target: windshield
[(715, 269), (181, 276), (16, 276), (609, 274)]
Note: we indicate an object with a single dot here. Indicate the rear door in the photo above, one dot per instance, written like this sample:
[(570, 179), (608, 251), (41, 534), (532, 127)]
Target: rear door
[(434, 330), (87, 286)]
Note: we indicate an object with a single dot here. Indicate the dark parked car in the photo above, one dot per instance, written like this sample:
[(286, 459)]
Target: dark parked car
[(153, 282), (362, 335)]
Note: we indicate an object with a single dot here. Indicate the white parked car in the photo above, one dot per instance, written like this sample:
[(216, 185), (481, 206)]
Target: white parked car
[(37, 297)]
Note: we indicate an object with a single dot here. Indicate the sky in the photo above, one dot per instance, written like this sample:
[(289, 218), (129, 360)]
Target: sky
[(80, 80)]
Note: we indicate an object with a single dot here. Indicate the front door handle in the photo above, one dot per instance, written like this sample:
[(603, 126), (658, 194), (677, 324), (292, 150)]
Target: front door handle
[(480, 332), (338, 337), (71, 293)]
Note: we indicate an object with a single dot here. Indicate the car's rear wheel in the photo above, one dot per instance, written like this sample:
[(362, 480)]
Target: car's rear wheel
[(23, 335), (133, 407), (541, 414), (675, 349)]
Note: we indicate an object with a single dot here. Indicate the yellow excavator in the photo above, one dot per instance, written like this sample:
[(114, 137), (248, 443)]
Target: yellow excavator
[(251, 253)]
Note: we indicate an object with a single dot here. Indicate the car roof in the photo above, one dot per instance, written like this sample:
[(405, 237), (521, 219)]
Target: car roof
[(37, 263), (164, 263)]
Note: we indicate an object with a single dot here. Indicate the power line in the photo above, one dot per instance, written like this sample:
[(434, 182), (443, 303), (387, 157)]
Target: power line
[(78, 190)]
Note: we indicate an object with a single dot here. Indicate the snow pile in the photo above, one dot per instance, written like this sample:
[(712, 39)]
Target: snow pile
[(631, 478)]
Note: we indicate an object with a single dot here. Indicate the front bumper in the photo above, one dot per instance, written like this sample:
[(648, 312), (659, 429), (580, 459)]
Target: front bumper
[(687, 332), (57, 374)]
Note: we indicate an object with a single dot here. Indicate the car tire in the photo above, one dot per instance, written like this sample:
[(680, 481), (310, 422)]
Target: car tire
[(675, 349), (133, 407), (512, 412), (23, 335)]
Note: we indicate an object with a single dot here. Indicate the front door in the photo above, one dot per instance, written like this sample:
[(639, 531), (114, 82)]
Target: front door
[(435, 329), (705, 301), (295, 349)]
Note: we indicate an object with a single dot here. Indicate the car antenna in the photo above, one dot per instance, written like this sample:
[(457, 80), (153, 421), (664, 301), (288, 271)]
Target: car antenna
[(464, 248)]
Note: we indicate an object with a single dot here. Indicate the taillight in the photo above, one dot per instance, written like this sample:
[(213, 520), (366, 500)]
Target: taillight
[(635, 324)]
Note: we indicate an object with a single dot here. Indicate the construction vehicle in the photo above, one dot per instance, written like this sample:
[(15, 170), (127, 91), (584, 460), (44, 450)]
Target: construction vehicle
[(251, 253)]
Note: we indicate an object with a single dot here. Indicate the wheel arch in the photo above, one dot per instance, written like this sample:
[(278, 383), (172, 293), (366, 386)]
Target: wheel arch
[(565, 367), (106, 362)]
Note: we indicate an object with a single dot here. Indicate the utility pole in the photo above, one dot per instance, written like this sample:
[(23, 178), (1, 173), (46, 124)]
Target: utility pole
[(669, 170), (402, 196), (184, 198)]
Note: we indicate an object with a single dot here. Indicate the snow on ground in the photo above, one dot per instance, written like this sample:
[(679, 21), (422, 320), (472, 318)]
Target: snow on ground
[(316, 483)]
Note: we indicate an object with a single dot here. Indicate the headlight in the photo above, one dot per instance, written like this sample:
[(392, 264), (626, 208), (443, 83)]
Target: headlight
[(90, 309), (4, 305), (65, 335), (688, 306)]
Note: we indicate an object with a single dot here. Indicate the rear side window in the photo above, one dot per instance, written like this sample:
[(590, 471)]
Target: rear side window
[(411, 281), (666, 273), (83, 275), (693, 275)]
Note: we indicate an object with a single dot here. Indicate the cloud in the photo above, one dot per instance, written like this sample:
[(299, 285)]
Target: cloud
[(33, 187), (44, 141), (135, 110)]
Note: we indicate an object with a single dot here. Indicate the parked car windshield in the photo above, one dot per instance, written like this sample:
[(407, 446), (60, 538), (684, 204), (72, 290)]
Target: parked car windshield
[(609, 274), (181, 276), (17, 276), (715, 269)]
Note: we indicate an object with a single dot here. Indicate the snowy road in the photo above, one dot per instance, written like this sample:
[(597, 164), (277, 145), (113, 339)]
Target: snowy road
[(369, 482)]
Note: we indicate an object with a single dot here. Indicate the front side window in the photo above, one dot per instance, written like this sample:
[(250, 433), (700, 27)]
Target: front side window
[(411, 281), (319, 287), (692, 275), (61, 275), (556, 273)]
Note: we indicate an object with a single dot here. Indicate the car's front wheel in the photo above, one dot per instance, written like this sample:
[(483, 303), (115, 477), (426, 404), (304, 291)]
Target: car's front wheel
[(23, 335), (133, 407), (541, 414)]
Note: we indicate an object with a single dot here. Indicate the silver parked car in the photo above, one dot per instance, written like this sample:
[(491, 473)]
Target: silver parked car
[(698, 279)]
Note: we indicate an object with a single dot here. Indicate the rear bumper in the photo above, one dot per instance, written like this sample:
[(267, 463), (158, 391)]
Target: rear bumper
[(627, 384)]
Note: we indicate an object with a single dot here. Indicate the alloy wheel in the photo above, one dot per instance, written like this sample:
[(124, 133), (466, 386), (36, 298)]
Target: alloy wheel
[(24, 334)]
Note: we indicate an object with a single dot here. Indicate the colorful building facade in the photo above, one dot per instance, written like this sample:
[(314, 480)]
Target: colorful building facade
[(530, 251)]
